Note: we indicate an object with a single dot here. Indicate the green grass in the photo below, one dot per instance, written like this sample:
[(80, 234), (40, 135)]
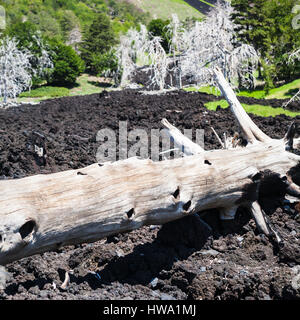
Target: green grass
[(283, 92), (85, 84), (206, 89), (210, 4), (164, 9), (46, 91), (259, 110), (88, 85)]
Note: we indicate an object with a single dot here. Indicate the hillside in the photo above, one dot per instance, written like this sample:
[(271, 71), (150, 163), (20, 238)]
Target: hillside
[(57, 18), (164, 9)]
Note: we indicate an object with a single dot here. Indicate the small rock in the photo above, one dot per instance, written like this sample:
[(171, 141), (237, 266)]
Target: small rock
[(21, 289), (266, 297), (211, 252), (120, 253), (244, 272), (240, 239), (44, 294), (34, 290), (219, 245), (293, 233), (154, 282), (165, 296), (202, 269), (296, 282), (4, 277)]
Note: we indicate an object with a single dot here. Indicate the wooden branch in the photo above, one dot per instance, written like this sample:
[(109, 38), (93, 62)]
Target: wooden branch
[(218, 138), (251, 131), (182, 142)]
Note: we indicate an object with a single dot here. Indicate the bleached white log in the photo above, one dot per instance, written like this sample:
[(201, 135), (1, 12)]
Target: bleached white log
[(44, 212)]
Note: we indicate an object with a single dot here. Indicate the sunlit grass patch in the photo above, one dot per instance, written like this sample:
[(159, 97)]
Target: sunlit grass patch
[(259, 110)]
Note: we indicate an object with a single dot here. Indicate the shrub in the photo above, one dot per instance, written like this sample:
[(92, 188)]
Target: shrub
[(98, 40), (67, 64), (157, 28)]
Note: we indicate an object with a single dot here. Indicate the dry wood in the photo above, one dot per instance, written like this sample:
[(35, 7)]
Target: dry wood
[(43, 212)]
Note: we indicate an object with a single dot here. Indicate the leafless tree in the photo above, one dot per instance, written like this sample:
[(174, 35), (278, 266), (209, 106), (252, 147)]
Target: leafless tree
[(131, 52), (16, 67), (212, 43), (193, 52), (158, 66), (293, 57)]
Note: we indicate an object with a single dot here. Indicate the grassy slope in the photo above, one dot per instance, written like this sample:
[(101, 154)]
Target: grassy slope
[(164, 8), (85, 84), (259, 110), (284, 92)]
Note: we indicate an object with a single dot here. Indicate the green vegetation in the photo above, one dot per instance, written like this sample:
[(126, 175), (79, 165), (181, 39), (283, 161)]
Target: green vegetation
[(267, 25), (46, 91), (56, 18), (85, 84), (283, 92), (97, 42), (157, 28), (159, 9), (67, 64), (259, 110)]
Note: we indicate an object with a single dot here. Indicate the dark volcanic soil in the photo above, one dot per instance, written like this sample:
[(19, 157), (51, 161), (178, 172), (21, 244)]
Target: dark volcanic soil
[(187, 259)]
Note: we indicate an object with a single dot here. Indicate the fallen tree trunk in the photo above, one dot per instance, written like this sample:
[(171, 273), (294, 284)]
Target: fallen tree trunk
[(44, 212)]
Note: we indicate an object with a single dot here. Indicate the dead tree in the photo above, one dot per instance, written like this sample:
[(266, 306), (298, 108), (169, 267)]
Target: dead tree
[(44, 212)]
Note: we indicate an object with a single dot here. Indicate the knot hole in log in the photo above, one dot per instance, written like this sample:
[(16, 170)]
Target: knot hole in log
[(27, 229), (176, 194), (130, 213), (187, 205)]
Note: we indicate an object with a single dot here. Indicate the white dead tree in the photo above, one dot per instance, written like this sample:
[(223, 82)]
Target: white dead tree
[(212, 44), (293, 57), (44, 212), (42, 62), (193, 52), (178, 45), (159, 63), (15, 69), (131, 52), (18, 66)]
